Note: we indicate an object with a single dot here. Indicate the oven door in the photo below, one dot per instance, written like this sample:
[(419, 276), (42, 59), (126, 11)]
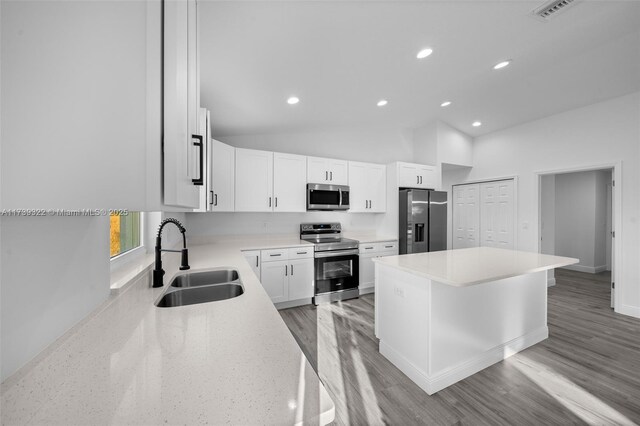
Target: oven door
[(336, 270)]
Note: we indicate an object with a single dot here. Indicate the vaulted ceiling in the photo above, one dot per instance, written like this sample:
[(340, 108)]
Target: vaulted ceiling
[(341, 57)]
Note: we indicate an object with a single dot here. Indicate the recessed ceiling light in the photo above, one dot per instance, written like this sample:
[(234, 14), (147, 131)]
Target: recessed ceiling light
[(445, 104), (502, 64), (293, 100), (382, 102), (424, 53), (476, 124)]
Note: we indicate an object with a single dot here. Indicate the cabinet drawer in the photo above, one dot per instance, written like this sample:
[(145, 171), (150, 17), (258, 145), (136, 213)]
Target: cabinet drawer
[(368, 248), (274, 254), (300, 252), (387, 246)]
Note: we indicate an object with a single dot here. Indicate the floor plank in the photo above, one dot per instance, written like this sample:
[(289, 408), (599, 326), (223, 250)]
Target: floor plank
[(587, 372)]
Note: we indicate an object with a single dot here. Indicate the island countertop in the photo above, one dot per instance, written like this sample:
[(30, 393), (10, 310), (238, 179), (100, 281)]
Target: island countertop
[(469, 266)]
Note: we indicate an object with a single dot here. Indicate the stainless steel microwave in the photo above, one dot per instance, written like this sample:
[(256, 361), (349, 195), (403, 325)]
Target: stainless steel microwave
[(327, 197)]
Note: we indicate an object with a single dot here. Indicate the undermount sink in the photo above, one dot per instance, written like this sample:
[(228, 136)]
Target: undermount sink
[(202, 287), (197, 279), (204, 294)]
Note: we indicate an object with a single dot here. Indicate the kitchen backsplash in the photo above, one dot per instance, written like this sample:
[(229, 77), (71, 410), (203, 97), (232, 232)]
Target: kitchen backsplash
[(205, 224)]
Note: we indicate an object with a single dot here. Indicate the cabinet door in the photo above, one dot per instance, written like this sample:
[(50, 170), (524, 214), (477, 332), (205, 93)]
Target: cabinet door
[(317, 170), (428, 177), (377, 181), (338, 172), (466, 216), (180, 124), (222, 192), (289, 182), (301, 279), (275, 280), (254, 180), (367, 270), (359, 188), (253, 259), (497, 214), (408, 176)]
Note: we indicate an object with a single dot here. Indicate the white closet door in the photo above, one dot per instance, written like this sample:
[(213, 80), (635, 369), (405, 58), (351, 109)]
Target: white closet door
[(496, 214), (466, 216)]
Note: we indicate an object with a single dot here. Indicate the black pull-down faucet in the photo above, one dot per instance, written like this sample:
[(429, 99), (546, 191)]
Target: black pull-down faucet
[(158, 272)]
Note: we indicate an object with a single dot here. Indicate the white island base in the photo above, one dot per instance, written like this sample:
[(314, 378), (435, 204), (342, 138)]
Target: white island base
[(439, 326)]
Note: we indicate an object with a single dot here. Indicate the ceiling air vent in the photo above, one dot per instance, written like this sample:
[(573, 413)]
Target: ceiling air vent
[(551, 9)]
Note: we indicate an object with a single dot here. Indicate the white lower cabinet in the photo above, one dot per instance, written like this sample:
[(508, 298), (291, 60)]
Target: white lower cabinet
[(368, 252), (287, 274), (253, 259)]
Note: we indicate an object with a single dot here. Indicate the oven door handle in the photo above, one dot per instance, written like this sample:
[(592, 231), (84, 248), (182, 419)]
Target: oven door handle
[(323, 254)]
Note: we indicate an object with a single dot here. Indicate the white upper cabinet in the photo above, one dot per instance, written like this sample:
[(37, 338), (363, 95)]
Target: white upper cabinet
[(267, 181), (327, 170), (418, 176), (221, 195), (183, 146), (289, 182), (254, 180), (367, 187)]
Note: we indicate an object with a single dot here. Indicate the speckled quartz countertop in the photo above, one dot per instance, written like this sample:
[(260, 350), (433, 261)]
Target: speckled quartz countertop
[(227, 362), (465, 267), (368, 237)]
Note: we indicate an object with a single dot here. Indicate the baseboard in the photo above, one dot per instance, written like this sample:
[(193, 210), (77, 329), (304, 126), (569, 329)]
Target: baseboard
[(437, 382), (292, 303), (600, 268), (632, 311), (551, 282), (367, 290), (587, 269)]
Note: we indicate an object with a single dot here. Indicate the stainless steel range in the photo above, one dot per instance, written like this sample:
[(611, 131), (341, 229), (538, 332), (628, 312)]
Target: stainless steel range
[(336, 262)]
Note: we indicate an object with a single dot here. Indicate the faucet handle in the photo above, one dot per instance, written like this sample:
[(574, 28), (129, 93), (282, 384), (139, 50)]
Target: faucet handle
[(184, 264)]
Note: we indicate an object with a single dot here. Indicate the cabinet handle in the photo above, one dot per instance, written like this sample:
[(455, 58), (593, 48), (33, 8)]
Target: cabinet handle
[(269, 201), (276, 201), (285, 270), (215, 197), (331, 176), (275, 255), (417, 179), (257, 261), (291, 270), (388, 246), (211, 200), (368, 248), (200, 145), (326, 175), (301, 252), (420, 180)]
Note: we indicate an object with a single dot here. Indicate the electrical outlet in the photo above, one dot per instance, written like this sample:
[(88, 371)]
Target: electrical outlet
[(398, 291)]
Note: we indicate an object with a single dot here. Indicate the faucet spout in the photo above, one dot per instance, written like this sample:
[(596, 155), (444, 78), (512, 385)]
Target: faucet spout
[(158, 272)]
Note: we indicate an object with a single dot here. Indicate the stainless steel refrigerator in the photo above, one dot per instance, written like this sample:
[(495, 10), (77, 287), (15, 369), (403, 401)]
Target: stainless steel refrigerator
[(423, 221)]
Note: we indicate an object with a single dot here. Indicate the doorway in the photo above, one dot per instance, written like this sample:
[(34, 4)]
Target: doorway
[(576, 219)]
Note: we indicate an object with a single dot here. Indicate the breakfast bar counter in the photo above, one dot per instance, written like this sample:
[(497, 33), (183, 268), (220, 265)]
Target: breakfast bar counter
[(443, 316)]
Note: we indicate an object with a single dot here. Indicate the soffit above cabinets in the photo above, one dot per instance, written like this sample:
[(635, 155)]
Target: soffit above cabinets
[(341, 57)]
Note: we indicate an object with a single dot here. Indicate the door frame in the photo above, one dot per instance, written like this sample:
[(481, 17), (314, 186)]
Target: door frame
[(616, 214)]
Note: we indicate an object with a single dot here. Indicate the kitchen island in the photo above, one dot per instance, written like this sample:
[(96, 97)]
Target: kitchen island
[(443, 316)]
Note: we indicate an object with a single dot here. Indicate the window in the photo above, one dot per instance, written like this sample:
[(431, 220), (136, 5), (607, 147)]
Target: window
[(125, 232)]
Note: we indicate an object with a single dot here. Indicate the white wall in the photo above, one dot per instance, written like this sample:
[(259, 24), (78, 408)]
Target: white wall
[(576, 218), (373, 145), (55, 271), (74, 104), (211, 224), (599, 134), (548, 214), (454, 147), (601, 235)]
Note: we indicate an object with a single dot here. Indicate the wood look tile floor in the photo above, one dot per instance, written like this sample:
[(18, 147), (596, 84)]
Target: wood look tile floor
[(587, 372)]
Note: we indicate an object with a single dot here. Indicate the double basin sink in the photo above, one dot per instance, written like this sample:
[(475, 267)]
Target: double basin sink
[(202, 287)]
